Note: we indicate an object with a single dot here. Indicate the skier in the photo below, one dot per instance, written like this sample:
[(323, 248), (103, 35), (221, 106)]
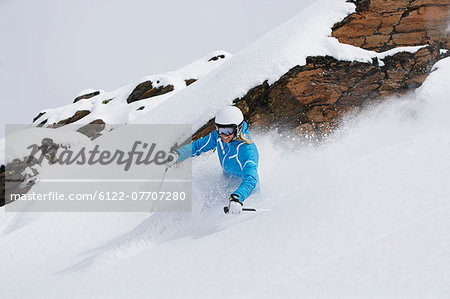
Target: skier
[(237, 153)]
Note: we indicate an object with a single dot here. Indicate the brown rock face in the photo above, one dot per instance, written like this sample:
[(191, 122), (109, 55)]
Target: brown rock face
[(146, 90), (320, 92), (381, 25), (189, 81), (310, 99), (93, 129), (77, 116), (86, 96)]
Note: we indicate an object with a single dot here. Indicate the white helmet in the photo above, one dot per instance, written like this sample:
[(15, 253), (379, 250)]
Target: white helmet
[(230, 115)]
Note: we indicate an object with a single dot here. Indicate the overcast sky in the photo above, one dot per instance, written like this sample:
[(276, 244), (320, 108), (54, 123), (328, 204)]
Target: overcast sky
[(52, 49)]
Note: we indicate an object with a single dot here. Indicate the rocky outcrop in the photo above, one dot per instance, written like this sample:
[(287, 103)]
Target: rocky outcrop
[(19, 175), (216, 58), (38, 116), (16, 179), (86, 96), (76, 117), (311, 99), (42, 123), (381, 25), (189, 81), (93, 129), (146, 90)]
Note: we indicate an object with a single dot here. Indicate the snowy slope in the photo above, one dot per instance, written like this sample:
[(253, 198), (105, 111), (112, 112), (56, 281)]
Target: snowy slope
[(364, 214)]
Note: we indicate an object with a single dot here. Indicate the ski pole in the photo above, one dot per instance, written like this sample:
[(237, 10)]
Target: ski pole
[(159, 188), (162, 181), (169, 159)]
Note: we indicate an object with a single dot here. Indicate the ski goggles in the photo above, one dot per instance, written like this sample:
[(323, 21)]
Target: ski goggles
[(227, 131)]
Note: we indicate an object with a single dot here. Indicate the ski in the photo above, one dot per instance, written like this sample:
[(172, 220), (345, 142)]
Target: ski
[(225, 210)]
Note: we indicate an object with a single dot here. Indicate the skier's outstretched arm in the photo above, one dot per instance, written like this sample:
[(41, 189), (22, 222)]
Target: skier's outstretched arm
[(198, 147)]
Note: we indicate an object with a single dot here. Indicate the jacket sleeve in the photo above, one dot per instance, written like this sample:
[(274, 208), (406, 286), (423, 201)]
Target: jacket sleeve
[(249, 161), (198, 147)]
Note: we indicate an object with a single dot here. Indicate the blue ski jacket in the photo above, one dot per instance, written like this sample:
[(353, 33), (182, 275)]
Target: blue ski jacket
[(236, 158)]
